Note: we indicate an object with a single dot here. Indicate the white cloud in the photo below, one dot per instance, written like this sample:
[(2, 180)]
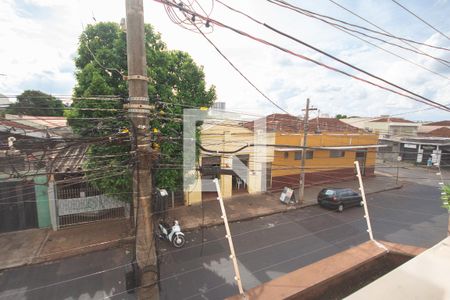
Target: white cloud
[(41, 38)]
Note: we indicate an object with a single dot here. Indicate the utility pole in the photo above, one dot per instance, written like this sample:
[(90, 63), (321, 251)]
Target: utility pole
[(139, 112), (301, 191)]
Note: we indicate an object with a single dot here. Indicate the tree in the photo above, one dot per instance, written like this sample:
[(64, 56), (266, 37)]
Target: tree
[(339, 116), (36, 103), (175, 79)]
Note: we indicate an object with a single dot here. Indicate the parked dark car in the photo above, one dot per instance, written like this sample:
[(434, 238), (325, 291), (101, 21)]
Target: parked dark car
[(339, 198)]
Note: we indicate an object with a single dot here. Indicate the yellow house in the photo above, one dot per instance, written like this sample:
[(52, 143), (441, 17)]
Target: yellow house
[(330, 159), (333, 148)]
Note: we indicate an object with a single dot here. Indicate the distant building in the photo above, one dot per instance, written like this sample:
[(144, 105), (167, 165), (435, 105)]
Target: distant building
[(219, 105), (4, 102), (385, 126), (54, 126), (435, 129), (432, 140)]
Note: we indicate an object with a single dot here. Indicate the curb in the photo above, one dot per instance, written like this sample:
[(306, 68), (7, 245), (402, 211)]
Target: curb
[(287, 209), (400, 186), (247, 218)]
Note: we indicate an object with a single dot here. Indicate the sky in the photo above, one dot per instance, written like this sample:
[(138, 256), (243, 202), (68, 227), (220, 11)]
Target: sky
[(39, 43)]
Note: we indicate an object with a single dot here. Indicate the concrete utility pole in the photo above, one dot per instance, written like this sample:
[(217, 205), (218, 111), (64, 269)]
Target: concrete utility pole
[(301, 191), (139, 111)]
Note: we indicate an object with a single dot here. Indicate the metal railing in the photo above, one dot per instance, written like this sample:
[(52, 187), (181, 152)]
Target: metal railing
[(82, 203)]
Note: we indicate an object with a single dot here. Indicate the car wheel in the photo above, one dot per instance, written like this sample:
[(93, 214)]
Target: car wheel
[(340, 208)]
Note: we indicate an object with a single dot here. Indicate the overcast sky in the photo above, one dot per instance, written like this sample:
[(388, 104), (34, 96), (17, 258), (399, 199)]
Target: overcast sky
[(39, 40)]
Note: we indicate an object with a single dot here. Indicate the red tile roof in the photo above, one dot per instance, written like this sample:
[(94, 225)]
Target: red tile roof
[(289, 123), (332, 125), (440, 132), (16, 125), (439, 123)]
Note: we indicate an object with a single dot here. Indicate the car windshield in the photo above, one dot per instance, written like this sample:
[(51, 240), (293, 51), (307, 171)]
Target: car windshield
[(329, 192)]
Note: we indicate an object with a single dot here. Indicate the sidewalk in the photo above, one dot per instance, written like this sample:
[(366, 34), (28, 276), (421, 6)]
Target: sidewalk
[(41, 245), (244, 207)]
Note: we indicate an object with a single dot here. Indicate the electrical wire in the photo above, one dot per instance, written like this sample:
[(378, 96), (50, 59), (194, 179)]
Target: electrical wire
[(421, 19), (321, 18), (336, 58), (179, 273), (240, 73)]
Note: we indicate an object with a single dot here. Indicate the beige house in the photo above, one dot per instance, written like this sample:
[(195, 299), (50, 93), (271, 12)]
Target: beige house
[(242, 168)]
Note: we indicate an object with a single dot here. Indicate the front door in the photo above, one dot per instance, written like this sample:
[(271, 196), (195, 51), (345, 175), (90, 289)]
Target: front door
[(361, 158)]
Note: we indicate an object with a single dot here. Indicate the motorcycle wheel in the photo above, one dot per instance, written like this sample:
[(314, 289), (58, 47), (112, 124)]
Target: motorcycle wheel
[(178, 241)]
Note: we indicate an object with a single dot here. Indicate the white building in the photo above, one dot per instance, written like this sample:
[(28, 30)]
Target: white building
[(385, 126)]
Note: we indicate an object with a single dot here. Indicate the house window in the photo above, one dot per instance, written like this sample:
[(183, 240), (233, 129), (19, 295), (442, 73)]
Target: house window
[(286, 155), (337, 153), (309, 155)]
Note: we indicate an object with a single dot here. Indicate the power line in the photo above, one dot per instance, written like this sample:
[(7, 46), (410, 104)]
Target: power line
[(376, 26), (323, 17), (422, 100), (197, 24), (348, 30), (240, 73), (415, 15), (193, 269), (330, 55), (390, 52)]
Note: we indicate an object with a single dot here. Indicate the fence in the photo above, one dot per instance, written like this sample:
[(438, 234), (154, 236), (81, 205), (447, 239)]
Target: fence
[(82, 203)]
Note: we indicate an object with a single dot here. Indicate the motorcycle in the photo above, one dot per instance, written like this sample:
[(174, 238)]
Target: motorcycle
[(173, 234)]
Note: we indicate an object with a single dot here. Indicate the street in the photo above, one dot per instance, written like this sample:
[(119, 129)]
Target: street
[(266, 247), (272, 246), (97, 275)]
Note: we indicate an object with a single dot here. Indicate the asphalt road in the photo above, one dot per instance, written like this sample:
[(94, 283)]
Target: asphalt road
[(97, 275), (409, 173), (266, 248), (272, 246)]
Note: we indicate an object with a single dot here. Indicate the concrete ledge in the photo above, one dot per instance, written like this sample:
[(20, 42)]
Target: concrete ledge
[(308, 282), (403, 249)]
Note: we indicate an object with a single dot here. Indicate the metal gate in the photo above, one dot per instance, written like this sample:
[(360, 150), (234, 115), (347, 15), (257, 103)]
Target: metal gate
[(17, 206), (83, 204)]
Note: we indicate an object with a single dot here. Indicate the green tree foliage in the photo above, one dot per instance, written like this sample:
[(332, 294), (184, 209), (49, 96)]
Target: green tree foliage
[(175, 79), (36, 103), (339, 116)]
